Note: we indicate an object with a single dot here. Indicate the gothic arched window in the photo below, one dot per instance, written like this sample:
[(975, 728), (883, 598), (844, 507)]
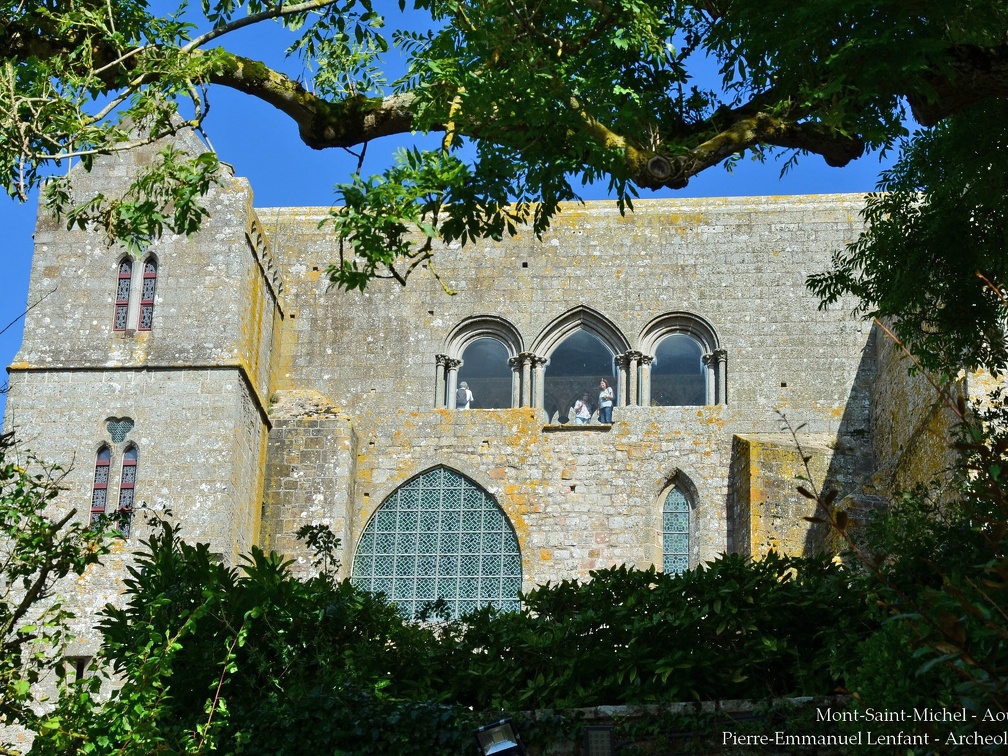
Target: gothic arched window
[(575, 368), (147, 295), (486, 371), (687, 364), (480, 352), (99, 489), (675, 532), (125, 280), (126, 484), (678, 373), (440, 536)]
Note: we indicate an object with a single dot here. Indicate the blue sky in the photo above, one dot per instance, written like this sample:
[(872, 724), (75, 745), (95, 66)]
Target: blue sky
[(263, 146)]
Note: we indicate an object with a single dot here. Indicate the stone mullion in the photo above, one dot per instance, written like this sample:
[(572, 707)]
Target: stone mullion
[(515, 364), (721, 374), (710, 397), (539, 365), (645, 380), (621, 395), (526, 378), (452, 366), (633, 358), (440, 381)]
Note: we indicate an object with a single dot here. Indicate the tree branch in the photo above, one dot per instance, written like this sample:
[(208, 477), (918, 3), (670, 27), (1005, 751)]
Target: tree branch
[(975, 75), (321, 123)]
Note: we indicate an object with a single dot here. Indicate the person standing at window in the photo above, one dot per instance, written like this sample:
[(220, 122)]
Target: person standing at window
[(582, 411), (463, 397), (605, 400)]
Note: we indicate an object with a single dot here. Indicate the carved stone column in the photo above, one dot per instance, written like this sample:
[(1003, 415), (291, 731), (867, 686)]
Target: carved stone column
[(452, 366), (633, 359), (721, 376), (539, 365), (525, 363), (515, 364), (621, 364), (440, 380), (645, 379), (709, 389)]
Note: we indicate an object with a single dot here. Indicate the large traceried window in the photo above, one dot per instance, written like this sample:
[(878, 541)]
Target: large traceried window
[(675, 532), (440, 536), (486, 371), (147, 295), (575, 368), (124, 283), (678, 373)]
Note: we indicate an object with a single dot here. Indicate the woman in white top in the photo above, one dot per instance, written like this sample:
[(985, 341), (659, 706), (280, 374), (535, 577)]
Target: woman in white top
[(605, 400)]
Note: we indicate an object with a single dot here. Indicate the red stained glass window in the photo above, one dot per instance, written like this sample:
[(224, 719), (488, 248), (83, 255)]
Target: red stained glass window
[(99, 491), (126, 483), (122, 295), (147, 295)]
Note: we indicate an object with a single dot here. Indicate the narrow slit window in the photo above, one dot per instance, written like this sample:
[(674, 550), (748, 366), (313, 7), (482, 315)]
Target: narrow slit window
[(126, 484), (99, 491), (147, 295), (122, 295)]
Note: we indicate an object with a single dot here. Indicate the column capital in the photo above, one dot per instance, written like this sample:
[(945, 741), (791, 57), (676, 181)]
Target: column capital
[(451, 363), (645, 359), (720, 355), (622, 360), (440, 359), (707, 358), (633, 354)]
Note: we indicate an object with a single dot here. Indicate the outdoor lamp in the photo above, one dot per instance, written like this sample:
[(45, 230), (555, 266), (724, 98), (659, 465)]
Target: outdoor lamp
[(499, 739)]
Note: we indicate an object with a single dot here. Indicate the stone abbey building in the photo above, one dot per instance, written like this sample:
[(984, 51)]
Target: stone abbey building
[(221, 378)]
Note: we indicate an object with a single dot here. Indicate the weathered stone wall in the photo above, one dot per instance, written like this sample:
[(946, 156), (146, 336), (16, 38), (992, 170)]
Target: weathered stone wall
[(912, 422), (216, 301), (312, 473), (739, 263), (199, 438), (195, 386), (769, 513), (585, 498), (268, 395)]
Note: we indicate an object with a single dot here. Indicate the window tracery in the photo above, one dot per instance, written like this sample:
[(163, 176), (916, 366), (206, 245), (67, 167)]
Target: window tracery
[(675, 532), (99, 488), (124, 283), (147, 292), (440, 536), (127, 482)]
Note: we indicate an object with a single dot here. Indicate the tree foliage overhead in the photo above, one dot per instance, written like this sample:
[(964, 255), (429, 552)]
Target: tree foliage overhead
[(933, 254), (545, 94)]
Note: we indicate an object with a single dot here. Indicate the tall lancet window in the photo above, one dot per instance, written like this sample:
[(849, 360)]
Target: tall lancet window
[(122, 294), (126, 483), (147, 295), (99, 490)]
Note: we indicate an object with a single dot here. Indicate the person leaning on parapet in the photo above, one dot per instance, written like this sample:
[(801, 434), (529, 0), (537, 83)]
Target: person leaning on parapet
[(605, 399), (463, 397), (582, 411)]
